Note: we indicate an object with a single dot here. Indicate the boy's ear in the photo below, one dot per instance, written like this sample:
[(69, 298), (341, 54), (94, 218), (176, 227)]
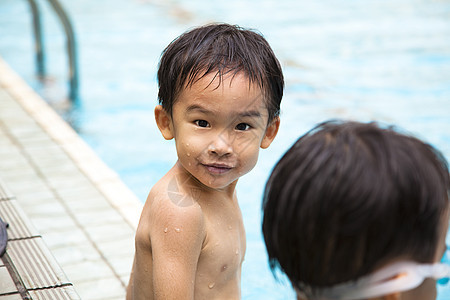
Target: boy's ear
[(164, 122), (271, 132)]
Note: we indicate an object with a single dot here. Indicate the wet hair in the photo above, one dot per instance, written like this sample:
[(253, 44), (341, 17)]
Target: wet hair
[(219, 49), (348, 198)]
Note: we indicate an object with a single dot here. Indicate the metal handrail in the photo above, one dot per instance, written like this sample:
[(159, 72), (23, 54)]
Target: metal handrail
[(71, 44), (40, 66)]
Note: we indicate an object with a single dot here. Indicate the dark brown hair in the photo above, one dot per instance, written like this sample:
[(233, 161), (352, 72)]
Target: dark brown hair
[(219, 48), (348, 197)]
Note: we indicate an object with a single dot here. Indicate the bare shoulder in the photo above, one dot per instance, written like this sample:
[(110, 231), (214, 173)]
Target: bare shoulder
[(171, 208)]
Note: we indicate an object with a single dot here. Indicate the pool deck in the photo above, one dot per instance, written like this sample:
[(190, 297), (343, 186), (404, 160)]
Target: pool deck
[(85, 214)]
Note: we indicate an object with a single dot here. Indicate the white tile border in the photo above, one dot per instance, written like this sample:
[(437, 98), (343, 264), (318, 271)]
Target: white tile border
[(104, 178)]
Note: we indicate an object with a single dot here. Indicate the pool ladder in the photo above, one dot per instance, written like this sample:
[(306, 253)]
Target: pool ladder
[(71, 45)]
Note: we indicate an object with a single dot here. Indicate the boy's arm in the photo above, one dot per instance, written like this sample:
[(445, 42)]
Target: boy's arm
[(177, 235)]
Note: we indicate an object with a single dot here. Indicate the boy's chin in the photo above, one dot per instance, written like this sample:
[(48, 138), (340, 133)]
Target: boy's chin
[(216, 183), (213, 179)]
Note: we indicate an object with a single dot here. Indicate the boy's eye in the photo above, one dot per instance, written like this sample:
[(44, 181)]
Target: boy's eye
[(202, 123), (242, 126)]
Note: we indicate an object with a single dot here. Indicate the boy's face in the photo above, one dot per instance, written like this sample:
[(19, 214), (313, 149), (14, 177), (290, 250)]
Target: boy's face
[(218, 128)]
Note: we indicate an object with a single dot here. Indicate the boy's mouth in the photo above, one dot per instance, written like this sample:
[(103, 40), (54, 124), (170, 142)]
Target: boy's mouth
[(217, 168)]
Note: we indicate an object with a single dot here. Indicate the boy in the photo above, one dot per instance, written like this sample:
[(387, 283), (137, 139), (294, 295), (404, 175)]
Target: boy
[(355, 211), (220, 88)]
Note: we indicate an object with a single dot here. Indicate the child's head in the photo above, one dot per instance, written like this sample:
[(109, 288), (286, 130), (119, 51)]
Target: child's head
[(348, 199), (220, 93), (220, 49)]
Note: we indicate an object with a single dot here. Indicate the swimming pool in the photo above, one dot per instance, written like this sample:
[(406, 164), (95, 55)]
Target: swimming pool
[(364, 60)]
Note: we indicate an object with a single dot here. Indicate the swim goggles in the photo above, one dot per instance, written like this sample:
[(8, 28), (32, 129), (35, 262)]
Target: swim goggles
[(397, 277)]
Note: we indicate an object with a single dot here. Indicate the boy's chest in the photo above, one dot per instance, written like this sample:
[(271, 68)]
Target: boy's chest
[(224, 249)]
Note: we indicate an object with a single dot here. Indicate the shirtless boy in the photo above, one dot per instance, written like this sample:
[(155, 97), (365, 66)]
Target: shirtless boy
[(220, 88)]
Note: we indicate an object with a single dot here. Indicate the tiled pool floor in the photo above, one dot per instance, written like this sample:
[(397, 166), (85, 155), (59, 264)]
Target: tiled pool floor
[(85, 214)]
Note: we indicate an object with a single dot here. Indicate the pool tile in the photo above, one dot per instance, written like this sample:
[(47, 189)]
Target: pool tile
[(6, 283)]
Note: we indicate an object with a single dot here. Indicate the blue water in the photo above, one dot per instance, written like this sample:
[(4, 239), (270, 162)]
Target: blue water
[(386, 60)]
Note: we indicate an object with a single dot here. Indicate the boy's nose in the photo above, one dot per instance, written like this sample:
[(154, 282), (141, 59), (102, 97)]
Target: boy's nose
[(220, 147)]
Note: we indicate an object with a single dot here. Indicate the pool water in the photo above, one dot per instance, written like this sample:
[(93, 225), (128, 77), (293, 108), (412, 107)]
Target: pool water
[(386, 60)]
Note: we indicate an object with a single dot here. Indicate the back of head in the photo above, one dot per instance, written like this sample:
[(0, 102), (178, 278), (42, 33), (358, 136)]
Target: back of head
[(219, 49), (348, 198)]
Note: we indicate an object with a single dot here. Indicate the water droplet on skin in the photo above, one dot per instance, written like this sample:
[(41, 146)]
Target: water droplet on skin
[(237, 252), (211, 285), (224, 267), (177, 229), (187, 144), (165, 229), (189, 164), (188, 154), (230, 227)]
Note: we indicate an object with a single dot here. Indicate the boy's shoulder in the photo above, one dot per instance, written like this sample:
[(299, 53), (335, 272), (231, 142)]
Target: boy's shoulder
[(171, 205)]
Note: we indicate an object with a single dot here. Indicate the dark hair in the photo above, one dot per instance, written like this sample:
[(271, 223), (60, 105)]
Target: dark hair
[(348, 198), (220, 48)]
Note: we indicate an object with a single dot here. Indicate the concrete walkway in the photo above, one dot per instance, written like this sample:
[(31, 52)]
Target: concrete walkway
[(85, 214)]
